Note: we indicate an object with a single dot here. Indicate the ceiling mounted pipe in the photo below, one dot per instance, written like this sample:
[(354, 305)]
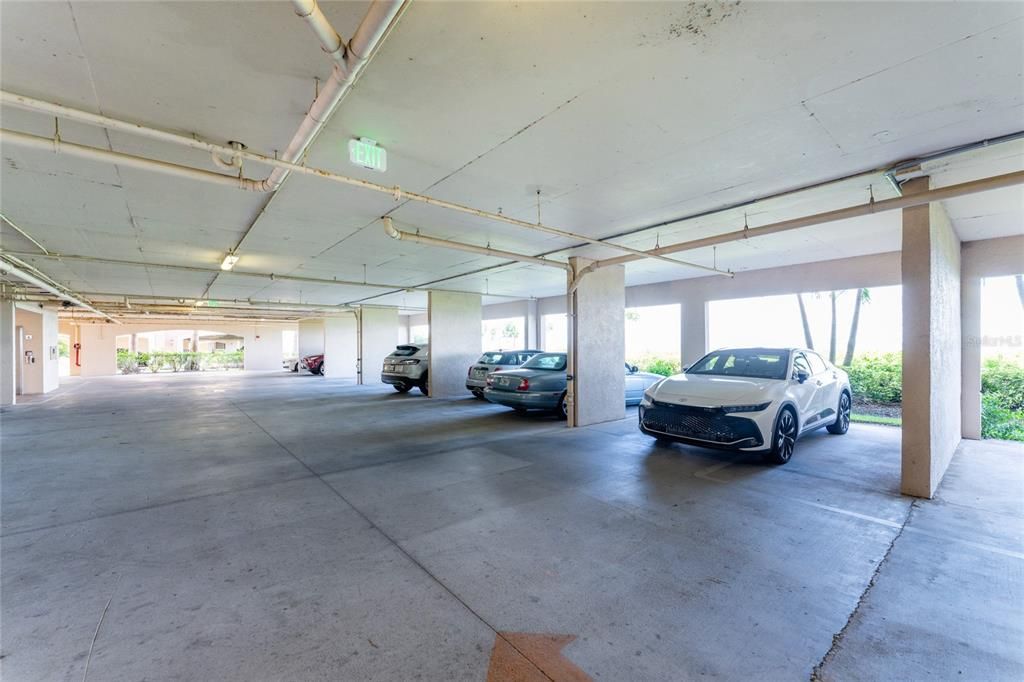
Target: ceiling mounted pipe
[(395, 233), (6, 267), (396, 192), (872, 207)]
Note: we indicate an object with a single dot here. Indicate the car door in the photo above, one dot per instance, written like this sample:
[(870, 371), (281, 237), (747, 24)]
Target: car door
[(827, 380), (634, 386), (805, 394)]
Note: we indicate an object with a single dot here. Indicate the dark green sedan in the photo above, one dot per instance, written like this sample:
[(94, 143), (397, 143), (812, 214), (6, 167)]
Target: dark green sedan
[(540, 385)]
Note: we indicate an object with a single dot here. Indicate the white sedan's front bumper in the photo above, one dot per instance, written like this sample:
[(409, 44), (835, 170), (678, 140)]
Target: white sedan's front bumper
[(710, 427)]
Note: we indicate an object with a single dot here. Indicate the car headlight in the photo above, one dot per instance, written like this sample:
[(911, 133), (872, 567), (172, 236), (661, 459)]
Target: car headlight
[(648, 398), (408, 362), (746, 408)]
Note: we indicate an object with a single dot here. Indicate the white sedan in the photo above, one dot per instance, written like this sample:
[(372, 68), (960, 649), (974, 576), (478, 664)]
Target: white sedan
[(757, 399)]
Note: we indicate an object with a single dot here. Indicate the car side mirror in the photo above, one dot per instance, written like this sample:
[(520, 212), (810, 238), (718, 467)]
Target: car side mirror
[(802, 375), (633, 369)]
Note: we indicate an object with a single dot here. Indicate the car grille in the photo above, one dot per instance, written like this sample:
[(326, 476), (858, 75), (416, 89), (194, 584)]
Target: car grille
[(701, 423)]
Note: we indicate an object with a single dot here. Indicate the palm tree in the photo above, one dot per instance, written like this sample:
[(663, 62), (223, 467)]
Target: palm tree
[(808, 341), (862, 296)]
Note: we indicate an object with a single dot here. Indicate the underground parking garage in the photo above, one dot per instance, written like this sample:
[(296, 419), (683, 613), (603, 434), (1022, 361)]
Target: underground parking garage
[(322, 359)]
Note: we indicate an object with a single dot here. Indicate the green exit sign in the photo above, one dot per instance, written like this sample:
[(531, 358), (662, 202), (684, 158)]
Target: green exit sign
[(365, 152)]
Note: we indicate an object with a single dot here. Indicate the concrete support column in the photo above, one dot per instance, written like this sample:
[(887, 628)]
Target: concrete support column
[(455, 342), (311, 337), (694, 333), (99, 352), (341, 347), (970, 363), (931, 344), (597, 345), (263, 348), (51, 355), (7, 352), (532, 339), (378, 331)]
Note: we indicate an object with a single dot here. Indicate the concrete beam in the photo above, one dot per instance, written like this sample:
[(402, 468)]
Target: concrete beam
[(455, 341), (931, 344)]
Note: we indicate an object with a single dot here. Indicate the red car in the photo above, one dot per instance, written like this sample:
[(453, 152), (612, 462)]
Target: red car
[(314, 363)]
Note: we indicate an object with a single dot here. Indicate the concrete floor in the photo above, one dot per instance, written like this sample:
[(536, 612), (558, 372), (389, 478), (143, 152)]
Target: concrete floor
[(278, 526)]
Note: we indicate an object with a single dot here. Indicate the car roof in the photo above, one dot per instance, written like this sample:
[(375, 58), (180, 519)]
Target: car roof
[(523, 350)]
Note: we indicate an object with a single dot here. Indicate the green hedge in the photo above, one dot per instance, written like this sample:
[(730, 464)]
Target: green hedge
[(131, 363), (666, 367), (878, 378)]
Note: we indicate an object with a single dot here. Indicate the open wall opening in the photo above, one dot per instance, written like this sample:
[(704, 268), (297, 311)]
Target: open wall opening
[(554, 333), (653, 338), (506, 333), (857, 329), (1001, 344)]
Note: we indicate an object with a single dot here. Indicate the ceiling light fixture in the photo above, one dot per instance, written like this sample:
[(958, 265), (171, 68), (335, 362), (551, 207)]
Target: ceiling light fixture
[(229, 261)]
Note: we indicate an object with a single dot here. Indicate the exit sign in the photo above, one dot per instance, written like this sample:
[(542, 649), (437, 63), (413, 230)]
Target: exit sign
[(365, 152)]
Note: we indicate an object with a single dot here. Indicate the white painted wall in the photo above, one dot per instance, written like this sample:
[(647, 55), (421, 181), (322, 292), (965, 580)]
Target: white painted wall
[(262, 348), (454, 320), (378, 330), (30, 318), (311, 337), (599, 346), (341, 347), (98, 354), (7, 352), (51, 359)]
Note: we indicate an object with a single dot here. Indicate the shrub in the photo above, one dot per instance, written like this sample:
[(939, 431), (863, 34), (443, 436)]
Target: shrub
[(156, 361), (878, 378), (998, 421), (1004, 380), (127, 362), (656, 365)]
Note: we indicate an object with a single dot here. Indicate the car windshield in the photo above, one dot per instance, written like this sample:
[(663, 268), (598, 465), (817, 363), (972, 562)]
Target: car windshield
[(759, 363), (499, 359), (554, 362), (405, 351)]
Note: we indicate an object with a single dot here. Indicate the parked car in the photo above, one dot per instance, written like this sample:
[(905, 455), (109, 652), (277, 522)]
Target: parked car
[(540, 384), (407, 367), (290, 364), (494, 361), (314, 363), (758, 399)]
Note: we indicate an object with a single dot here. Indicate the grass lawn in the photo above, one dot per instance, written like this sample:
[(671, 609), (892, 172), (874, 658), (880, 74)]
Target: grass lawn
[(875, 419)]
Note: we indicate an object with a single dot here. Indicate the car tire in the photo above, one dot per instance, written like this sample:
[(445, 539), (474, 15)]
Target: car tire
[(402, 388), (783, 437), (424, 386), (296, 367), (320, 370), (479, 394), (520, 410), (563, 406), (842, 423)]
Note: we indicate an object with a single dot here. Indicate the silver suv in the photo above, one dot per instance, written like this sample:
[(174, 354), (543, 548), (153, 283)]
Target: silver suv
[(407, 367), (494, 361)]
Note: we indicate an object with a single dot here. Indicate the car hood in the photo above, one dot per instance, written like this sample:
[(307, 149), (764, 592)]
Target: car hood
[(715, 390)]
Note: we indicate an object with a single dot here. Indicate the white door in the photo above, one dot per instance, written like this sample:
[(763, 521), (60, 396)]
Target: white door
[(807, 394), (827, 381)]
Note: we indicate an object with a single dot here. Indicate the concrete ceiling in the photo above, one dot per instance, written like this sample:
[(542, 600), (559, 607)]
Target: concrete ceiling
[(621, 114)]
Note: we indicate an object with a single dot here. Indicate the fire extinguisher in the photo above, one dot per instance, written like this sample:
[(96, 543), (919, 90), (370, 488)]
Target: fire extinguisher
[(77, 347)]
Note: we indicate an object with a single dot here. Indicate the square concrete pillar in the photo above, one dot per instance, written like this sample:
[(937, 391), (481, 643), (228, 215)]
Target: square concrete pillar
[(532, 337), (931, 344), (455, 341), (970, 362), (311, 337), (378, 331), (7, 352), (99, 352), (694, 332), (597, 345), (341, 347)]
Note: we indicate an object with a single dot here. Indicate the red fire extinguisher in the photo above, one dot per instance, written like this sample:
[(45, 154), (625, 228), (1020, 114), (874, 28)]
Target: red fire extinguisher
[(78, 347)]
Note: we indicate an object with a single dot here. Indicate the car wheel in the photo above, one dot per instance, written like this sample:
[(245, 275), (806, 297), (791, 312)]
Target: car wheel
[(842, 422), (321, 370), (402, 388), (424, 386), (296, 367), (520, 410), (479, 394), (783, 438), (563, 406)]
